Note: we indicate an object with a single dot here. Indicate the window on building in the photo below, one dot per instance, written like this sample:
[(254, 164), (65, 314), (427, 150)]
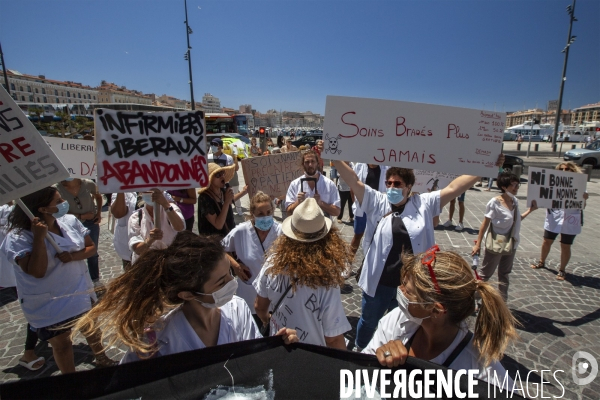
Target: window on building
[(21, 88), (68, 94), (30, 98), (14, 96), (29, 89), (79, 95), (45, 101), (94, 97), (57, 100), (55, 92), (69, 100), (43, 91), (36, 90), (38, 99), (12, 86)]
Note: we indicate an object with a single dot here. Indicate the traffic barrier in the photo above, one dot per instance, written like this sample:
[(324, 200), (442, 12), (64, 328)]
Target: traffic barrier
[(587, 168)]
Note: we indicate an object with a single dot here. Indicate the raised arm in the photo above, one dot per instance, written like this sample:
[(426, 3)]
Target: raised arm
[(349, 176)]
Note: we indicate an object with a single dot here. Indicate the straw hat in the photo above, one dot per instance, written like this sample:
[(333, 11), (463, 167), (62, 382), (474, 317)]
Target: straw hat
[(307, 223), (214, 168)]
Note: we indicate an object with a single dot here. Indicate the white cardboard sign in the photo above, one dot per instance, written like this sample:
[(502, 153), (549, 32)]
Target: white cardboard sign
[(78, 156), (552, 188), (137, 151), (272, 174), (26, 162), (430, 181), (413, 135)]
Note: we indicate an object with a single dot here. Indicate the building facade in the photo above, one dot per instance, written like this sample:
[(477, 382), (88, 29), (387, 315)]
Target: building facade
[(587, 113), (111, 93), (211, 104), (544, 117), (170, 101)]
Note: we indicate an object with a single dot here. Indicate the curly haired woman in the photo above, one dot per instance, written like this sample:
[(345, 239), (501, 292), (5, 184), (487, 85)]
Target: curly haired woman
[(302, 279)]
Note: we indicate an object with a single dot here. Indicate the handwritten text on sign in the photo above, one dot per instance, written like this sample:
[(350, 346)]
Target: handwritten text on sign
[(26, 162), (552, 188), (272, 174), (430, 181), (413, 135), (138, 150), (78, 156)]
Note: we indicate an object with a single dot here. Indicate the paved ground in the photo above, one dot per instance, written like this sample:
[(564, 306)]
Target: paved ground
[(558, 318)]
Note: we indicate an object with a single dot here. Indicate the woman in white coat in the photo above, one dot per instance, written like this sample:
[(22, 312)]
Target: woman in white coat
[(566, 222), (250, 241), (173, 300), (54, 288)]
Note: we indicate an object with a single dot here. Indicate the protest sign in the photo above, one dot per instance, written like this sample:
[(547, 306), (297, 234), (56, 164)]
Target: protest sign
[(26, 162), (272, 174), (137, 151), (78, 156), (430, 181), (552, 188), (413, 135)]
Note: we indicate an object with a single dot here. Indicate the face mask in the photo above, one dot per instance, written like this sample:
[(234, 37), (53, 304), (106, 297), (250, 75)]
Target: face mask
[(394, 195), (403, 303), (69, 179), (509, 194), (62, 209), (221, 296), (263, 223), (147, 197), (214, 149), (270, 148)]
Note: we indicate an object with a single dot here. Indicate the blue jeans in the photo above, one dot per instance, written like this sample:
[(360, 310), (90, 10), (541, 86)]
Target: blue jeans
[(92, 262), (373, 309), (360, 224)]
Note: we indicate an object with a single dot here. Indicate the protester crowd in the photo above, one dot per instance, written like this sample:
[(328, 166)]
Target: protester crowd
[(231, 282)]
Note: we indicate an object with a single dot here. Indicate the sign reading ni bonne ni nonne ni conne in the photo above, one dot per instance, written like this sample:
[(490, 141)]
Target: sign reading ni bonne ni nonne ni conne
[(413, 135), (138, 151), (26, 162), (552, 188)]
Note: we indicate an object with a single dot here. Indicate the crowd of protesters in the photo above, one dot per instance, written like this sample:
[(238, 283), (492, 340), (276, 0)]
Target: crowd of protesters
[(231, 282)]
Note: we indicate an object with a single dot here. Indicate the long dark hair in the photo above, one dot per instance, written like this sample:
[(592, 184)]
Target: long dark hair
[(18, 220), (280, 141), (138, 298)]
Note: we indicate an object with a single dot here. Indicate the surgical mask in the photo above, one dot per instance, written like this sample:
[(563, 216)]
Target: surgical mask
[(214, 149), (403, 303), (63, 208), (263, 223), (270, 148), (394, 195), (221, 296), (509, 194), (69, 179), (147, 197)]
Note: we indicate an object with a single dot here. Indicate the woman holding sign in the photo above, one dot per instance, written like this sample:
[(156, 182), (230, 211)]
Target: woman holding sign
[(396, 223), (503, 219), (250, 241), (54, 288), (567, 222)]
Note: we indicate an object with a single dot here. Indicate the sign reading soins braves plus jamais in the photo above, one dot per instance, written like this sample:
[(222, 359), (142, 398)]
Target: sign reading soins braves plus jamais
[(412, 135), (137, 151), (26, 162)]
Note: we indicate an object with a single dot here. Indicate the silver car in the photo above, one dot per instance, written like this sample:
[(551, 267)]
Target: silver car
[(590, 155)]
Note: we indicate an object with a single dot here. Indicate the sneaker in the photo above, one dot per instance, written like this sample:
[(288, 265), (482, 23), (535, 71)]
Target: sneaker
[(459, 227), (447, 223)]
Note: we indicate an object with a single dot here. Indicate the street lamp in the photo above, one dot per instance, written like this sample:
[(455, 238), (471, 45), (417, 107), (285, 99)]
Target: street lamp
[(570, 40), (187, 56)]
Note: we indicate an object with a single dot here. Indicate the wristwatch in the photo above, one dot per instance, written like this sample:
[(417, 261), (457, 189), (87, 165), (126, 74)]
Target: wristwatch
[(170, 209)]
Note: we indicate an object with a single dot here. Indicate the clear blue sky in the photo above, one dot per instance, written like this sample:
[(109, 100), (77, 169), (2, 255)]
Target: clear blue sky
[(290, 54)]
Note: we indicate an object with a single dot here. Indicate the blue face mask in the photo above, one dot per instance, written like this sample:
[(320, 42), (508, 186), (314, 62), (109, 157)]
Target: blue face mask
[(263, 223), (214, 149), (394, 195), (63, 208), (69, 179)]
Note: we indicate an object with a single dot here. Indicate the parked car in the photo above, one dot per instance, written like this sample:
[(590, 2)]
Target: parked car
[(511, 161), (307, 140), (590, 155)]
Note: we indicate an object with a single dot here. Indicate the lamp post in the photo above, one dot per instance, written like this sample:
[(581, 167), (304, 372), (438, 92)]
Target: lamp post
[(570, 40), (188, 55), (4, 70)]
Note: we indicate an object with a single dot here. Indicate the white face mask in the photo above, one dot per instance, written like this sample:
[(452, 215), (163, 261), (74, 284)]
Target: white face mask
[(403, 303), (509, 194), (147, 197), (221, 296)]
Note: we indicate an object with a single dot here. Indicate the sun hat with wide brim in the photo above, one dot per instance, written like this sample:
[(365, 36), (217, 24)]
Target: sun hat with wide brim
[(214, 169), (307, 223)]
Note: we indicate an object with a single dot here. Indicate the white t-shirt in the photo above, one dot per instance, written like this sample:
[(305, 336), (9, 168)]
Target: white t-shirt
[(121, 238), (563, 221), (244, 240), (313, 313), (223, 160), (325, 186), (138, 232), (66, 288), (176, 335), (502, 218), (395, 326), (7, 272)]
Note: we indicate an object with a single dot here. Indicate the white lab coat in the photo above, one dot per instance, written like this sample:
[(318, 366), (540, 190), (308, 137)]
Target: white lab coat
[(121, 237), (563, 221), (66, 290), (417, 217), (325, 186), (7, 272), (361, 170), (176, 335), (244, 240), (395, 326)]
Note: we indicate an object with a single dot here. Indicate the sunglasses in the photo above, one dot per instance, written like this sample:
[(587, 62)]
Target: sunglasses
[(220, 174), (396, 184), (78, 202)]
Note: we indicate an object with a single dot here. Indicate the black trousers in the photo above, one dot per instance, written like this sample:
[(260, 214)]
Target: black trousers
[(345, 197)]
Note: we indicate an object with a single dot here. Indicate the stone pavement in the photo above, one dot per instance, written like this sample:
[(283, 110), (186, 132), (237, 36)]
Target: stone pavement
[(557, 318)]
